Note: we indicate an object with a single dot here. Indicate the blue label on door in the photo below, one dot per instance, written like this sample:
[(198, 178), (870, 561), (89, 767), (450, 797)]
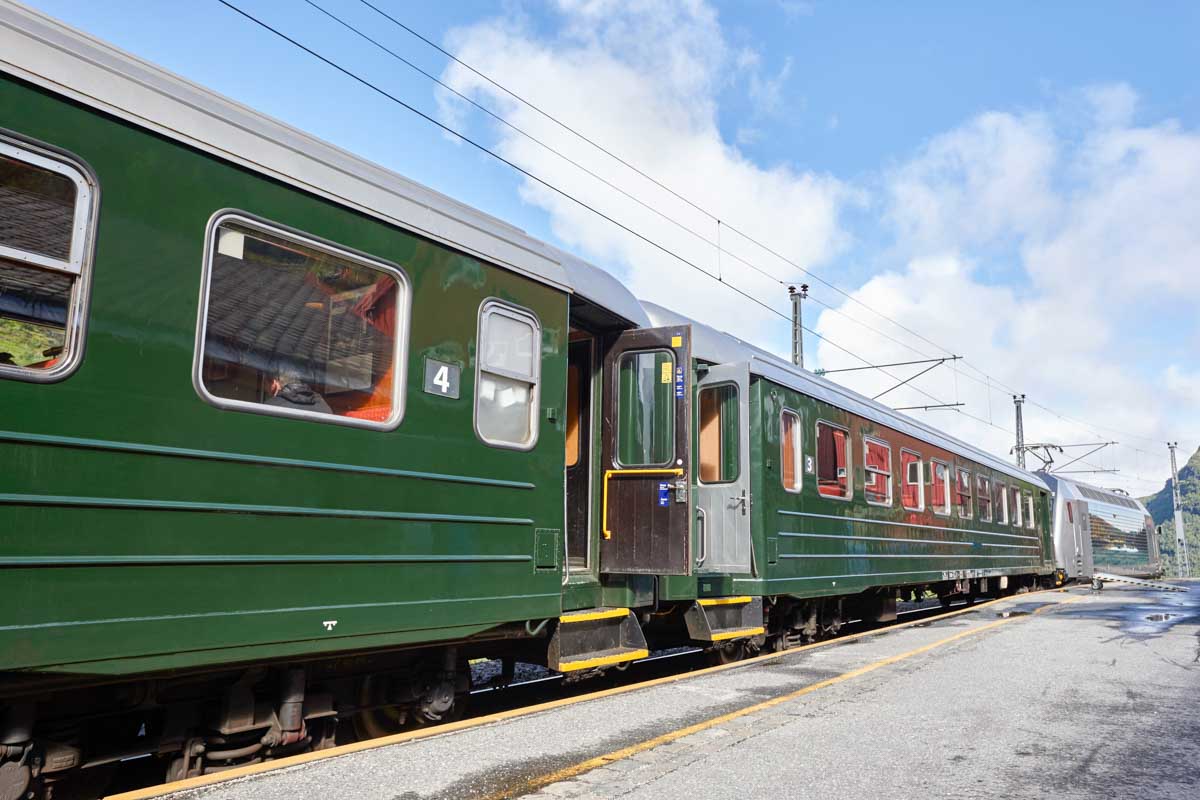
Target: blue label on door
[(664, 494), (679, 381)]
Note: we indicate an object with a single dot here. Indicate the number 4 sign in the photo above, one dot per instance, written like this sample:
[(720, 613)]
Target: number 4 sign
[(441, 379)]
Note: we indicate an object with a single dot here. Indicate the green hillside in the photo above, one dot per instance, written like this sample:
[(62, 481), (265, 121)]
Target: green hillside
[(1159, 505)]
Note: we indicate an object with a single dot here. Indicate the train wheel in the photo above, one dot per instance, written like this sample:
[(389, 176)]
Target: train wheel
[(728, 654), (377, 719)]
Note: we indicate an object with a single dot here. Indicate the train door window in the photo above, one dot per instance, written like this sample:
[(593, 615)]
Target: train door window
[(939, 489), (962, 493), (912, 487), (646, 408), (719, 433), (790, 450), (1030, 516), (833, 461), (877, 461), (508, 365), (47, 217), (1014, 505), (983, 493), (297, 327), (1001, 503)]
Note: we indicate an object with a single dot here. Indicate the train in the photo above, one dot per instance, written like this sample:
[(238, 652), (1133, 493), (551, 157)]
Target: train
[(1101, 531), (290, 439)]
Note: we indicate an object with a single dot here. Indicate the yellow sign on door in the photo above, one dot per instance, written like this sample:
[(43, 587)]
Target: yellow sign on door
[(666, 372)]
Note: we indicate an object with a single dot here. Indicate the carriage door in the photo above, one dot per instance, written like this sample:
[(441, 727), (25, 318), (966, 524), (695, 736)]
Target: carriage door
[(645, 430), (723, 460)]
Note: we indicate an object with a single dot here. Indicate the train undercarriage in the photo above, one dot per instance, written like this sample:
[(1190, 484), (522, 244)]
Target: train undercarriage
[(68, 739)]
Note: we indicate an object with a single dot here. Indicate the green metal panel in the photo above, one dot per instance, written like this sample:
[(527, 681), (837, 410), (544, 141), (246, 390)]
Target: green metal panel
[(143, 528)]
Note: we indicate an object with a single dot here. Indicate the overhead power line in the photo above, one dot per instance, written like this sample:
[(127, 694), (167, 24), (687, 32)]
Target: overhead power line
[(989, 381), (691, 264), (536, 178)]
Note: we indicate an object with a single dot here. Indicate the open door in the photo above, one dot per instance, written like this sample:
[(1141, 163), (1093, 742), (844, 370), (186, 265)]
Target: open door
[(723, 483), (646, 434)]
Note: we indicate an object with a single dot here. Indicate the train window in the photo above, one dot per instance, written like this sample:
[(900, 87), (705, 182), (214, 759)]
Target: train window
[(646, 409), (877, 461), (1014, 505), (719, 433), (46, 224), (1001, 503), (962, 493), (983, 493), (833, 461), (939, 489), (912, 487), (508, 363), (1030, 516), (292, 326), (790, 450)]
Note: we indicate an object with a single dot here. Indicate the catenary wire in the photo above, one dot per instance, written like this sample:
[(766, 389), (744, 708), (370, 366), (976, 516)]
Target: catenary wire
[(483, 148), (989, 380), (583, 204)]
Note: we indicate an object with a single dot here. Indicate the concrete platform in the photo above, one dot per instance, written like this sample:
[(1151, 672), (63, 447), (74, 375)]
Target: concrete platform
[(1070, 694)]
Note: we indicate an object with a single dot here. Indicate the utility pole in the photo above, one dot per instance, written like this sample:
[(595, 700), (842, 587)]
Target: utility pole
[(1018, 401), (1181, 548), (798, 323)]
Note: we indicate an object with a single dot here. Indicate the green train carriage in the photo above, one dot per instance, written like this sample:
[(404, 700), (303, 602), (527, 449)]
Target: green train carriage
[(826, 505)]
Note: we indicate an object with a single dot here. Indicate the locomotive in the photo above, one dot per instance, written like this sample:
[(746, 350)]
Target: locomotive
[(289, 439)]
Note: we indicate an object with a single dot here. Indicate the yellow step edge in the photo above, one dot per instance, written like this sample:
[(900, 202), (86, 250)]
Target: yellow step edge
[(588, 616), (741, 634), (602, 661), (724, 601)]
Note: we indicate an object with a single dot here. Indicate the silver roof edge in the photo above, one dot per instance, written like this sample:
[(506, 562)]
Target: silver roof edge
[(720, 347), (57, 57), (602, 288)]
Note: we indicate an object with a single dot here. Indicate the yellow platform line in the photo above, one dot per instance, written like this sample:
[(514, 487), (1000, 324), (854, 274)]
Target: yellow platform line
[(588, 616), (602, 661), (738, 634), (515, 713), (724, 601), (626, 752)]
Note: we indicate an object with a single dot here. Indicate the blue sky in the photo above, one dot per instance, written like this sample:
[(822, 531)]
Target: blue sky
[(1016, 182)]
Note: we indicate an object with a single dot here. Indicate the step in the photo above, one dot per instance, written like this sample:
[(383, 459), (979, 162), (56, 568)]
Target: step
[(722, 619), (595, 638)]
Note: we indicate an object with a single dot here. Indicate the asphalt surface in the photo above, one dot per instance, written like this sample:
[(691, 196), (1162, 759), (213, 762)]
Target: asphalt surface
[(1064, 694)]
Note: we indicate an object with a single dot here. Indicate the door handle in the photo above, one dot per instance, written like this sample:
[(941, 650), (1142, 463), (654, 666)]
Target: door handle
[(741, 501), (700, 518)]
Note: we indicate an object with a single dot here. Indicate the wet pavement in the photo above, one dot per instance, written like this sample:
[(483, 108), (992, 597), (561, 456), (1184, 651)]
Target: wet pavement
[(1073, 694)]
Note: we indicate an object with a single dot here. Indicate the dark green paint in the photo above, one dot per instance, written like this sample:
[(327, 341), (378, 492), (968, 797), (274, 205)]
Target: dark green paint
[(145, 529)]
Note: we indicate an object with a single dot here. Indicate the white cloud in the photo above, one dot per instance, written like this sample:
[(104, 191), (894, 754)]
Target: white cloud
[(1096, 239), (767, 93), (642, 77), (970, 185), (1044, 249)]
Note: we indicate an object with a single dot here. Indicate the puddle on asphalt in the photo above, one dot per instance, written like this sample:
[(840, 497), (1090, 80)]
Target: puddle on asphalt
[(1007, 614), (1161, 617)]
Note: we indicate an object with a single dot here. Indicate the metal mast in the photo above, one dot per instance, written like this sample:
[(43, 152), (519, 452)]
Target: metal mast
[(798, 324), (1181, 548), (1018, 401)]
